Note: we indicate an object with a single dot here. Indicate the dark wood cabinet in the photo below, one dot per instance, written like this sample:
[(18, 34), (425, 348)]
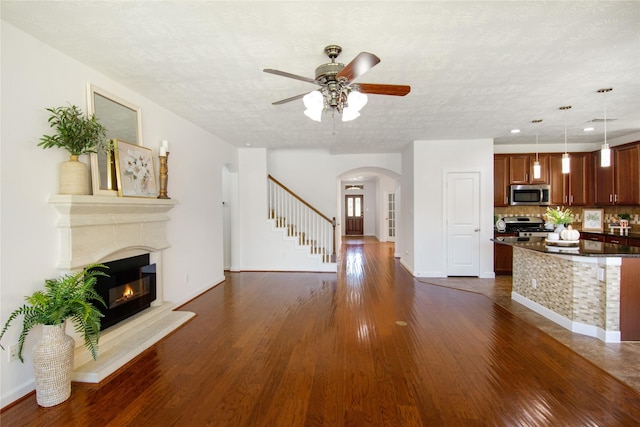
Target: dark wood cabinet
[(521, 169), (618, 184), (618, 240), (592, 236), (574, 188), (501, 180), (630, 299), (543, 159), (626, 160), (633, 241), (502, 259)]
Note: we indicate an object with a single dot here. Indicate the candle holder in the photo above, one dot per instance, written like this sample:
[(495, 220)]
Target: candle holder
[(164, 176)]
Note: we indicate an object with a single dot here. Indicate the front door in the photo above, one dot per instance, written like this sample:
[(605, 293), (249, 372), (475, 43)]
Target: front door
[(354, 215), (463, 224)]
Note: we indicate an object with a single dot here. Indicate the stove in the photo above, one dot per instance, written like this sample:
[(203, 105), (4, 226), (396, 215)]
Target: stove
[(526, 226)]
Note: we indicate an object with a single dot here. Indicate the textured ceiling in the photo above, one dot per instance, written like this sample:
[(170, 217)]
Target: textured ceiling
[(476, 69)]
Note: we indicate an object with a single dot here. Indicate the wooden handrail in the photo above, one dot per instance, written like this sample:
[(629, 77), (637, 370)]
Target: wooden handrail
[(301, 200)]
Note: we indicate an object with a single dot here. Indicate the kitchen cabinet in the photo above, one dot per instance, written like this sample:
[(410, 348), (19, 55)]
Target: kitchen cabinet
[(618, 184), (618, 240), (521, 169), (574, 188), (501, 180), (592, 236), (634, 241), (502, 259), (627, 174)]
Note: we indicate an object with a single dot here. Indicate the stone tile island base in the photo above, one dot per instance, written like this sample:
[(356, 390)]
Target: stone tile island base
[(581, 294)]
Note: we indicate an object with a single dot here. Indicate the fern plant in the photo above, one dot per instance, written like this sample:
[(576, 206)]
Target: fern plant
[(68, 297)]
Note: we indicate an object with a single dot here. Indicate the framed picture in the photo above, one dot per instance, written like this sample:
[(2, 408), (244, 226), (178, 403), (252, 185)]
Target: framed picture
[(134, 170), (592, 220)]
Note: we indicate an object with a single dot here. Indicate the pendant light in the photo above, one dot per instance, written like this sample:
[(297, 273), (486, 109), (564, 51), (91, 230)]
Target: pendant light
[(605, 151), (566, 161), (536, 164)]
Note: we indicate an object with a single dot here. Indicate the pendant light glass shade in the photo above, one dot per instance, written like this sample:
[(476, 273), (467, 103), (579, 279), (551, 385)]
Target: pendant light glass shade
[(605, 151), (566, 163), (537, 173), (536, 170), (605, 156)]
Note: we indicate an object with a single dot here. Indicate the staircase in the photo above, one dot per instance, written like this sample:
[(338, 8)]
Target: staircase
[(299, 219)]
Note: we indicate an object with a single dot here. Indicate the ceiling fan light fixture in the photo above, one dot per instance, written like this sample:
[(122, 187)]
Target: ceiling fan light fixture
[(357, 100), (349, 114), (314, 103), (336, 90)]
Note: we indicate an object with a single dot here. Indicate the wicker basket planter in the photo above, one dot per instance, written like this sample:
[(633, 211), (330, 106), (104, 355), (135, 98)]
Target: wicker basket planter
[(53, 362)]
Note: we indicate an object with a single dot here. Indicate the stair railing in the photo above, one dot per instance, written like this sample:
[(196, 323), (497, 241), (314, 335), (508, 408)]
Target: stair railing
[(311, 226)]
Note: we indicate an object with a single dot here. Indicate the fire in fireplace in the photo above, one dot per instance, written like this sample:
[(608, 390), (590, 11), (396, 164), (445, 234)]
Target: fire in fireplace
[(129, 289)]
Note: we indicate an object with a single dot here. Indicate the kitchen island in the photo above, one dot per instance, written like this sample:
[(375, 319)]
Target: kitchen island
[(592, 288)]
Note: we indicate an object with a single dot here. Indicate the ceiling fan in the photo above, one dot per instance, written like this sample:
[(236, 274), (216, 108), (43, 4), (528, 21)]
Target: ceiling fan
[(337, 90)]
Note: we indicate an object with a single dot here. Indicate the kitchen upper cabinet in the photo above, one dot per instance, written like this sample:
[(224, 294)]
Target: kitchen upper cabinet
[(572, 189), (500, 180), (627, 174), (543, 159), (603, 183), (618, 184), (521, 169)]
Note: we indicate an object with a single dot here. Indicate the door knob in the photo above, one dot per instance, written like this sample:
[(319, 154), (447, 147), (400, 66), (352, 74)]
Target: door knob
[(476, 230)]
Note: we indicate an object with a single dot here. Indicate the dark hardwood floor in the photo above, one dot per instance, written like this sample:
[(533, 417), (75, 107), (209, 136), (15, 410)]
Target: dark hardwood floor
[(368, 346)]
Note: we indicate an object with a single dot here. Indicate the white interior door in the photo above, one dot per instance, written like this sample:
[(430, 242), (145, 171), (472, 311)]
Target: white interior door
[(463, 224)]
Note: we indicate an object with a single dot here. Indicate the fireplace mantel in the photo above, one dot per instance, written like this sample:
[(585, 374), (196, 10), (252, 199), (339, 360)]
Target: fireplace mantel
[(96, 229), (101, 228)]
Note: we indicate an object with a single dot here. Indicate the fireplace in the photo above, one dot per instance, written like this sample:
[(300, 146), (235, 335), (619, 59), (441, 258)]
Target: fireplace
[(129, 288), (109, 230)]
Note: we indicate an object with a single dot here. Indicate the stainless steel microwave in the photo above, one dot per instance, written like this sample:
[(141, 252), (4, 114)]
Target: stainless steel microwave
[(537, 195)]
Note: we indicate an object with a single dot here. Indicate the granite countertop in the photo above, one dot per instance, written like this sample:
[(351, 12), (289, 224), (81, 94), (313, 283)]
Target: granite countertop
[(586, 248)]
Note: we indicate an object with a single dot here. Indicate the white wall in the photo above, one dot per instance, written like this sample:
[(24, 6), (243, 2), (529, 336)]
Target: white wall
[(405, 227), (431, 159), (370, 205), (35, 76), (312, 174)]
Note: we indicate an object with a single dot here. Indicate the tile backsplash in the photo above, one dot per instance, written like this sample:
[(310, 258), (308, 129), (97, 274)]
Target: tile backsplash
[(610, 214)]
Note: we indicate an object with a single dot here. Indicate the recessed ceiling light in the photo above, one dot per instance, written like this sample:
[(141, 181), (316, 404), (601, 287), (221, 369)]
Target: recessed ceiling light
[(248, 144), (588, 129), (515, 130)]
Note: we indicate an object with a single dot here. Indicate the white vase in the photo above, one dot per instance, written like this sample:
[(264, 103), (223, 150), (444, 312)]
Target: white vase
[(53, 362), (74, 177), (559, 228)]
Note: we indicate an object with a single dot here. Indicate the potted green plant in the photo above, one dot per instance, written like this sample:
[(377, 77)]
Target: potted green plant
[(624, 219), (78, 134), (69, 297), (561, 217)]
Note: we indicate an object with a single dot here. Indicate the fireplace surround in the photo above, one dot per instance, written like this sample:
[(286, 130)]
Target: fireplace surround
[(129, 288), (101, 229)]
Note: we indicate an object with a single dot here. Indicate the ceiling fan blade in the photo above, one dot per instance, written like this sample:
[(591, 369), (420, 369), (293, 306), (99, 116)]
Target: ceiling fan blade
[(360, 65), (293, 98), (291, 76), (380, 89)]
